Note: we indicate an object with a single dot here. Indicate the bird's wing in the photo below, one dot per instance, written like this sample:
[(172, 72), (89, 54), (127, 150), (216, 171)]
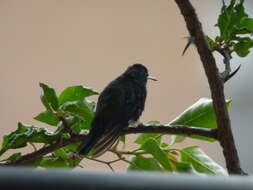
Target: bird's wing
[(109, 119), (110, 107)]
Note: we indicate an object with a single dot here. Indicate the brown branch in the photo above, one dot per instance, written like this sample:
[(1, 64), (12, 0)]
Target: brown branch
[(172, 129), (43, 151), (225, 135), (166, 129)]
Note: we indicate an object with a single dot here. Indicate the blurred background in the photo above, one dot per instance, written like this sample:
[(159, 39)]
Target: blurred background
[(91, 42)]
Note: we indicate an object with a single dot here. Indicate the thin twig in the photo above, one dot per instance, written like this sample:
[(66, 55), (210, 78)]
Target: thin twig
[(124, 159), (104, 162), (127, 152)]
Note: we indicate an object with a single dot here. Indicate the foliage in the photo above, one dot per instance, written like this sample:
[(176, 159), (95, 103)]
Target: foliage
[(236, 29), (154, 152)]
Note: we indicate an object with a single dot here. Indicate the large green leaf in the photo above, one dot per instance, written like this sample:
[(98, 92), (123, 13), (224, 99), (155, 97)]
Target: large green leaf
[(47, 117), (200, 114), (200, 161), (151, 146), (145, 164), (25, 134), (49, 97), (75, 93), (83, 109)]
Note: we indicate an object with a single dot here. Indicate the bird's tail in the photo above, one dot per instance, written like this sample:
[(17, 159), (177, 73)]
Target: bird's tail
[(99, 144), (86, 147)]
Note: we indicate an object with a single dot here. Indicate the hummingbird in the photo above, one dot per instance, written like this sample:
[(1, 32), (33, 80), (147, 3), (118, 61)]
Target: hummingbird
[(120, 104)]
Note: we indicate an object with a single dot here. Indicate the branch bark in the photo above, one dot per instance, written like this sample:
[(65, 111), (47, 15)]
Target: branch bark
[(225, 135), (173, 129), (165, 129)]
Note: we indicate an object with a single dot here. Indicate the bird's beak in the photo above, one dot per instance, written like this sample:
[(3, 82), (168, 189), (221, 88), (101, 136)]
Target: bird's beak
[(151, 78)]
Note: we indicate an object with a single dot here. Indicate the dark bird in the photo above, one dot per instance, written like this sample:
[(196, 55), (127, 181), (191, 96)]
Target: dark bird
[(120, 103)]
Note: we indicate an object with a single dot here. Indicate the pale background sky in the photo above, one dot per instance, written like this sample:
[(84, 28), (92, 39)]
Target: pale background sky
[(90, 42)]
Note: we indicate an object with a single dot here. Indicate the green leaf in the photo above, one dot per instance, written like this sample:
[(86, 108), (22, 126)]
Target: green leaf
[(49, 162), (74, 162), (225, 22), (247, 23), (61, 154), (76, 127), (49, 98), (55, 162), (200, 161), (144, 137), (73, 147), (243, 46), (60, 159), (184, 167), (75, 93), (25, 134), (200, 114), (80, 125), (83, 109), (47, 117), (151, 146), (145, 164)]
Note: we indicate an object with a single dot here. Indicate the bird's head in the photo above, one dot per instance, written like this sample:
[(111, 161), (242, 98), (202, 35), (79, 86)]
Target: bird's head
[(138, 73)]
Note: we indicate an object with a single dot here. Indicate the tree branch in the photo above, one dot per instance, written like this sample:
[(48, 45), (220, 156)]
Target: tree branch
[(165, 129), (43, 151), (216, 84), (172, 129)]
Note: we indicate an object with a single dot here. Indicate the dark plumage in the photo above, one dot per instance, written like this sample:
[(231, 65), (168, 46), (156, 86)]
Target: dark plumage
[(121, 102)]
